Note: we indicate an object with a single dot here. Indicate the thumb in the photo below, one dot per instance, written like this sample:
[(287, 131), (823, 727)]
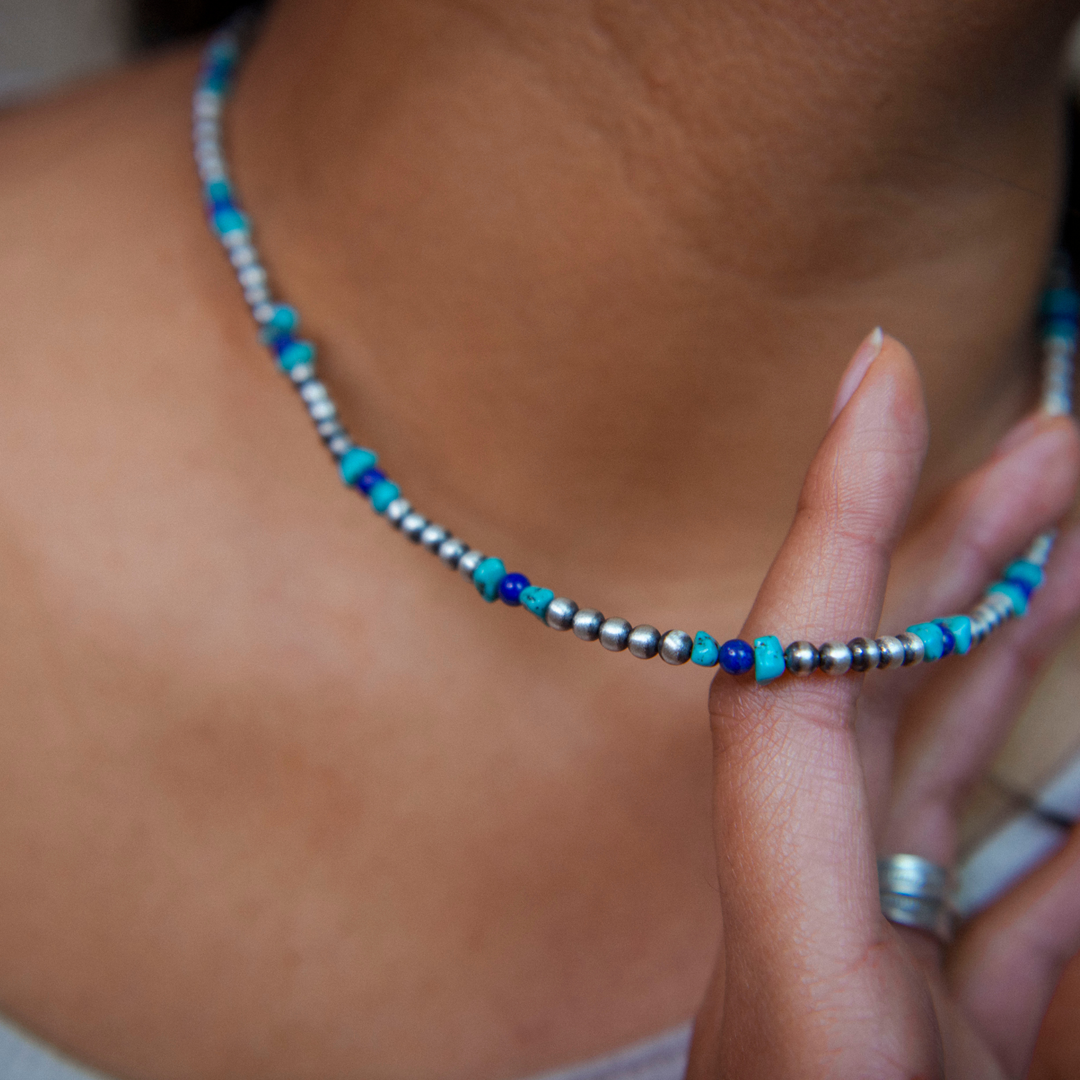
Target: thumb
[(796, 862)]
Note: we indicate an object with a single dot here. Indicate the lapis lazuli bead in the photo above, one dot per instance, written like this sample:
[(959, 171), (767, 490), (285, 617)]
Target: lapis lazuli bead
[(706, 652), (536, 600), (960, 628), (1013, 591), (229, 220), (736, 657), (383, 494), (1059, 327), (487, 577), (291, 353), (369, 478), (932, 638), (948, 642), (356, 462), (510, 589), (1026, 574), (769, 660)]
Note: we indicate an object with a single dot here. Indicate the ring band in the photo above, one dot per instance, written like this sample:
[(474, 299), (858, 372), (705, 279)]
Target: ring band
[(915, 892)]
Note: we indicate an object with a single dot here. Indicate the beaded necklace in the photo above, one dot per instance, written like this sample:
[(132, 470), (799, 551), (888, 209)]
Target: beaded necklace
[(926, 641)]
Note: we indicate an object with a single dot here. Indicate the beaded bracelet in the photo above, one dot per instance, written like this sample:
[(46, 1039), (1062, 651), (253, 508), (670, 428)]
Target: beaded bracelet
[(926, 641)]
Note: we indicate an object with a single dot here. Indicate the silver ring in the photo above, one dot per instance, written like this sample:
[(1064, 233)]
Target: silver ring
[(915, 892)]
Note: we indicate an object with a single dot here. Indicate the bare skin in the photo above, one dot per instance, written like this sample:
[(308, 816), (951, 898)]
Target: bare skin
[(278, 798)]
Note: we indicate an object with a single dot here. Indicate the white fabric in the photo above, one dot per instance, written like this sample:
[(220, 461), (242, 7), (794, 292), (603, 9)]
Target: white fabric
[(664, 1058)]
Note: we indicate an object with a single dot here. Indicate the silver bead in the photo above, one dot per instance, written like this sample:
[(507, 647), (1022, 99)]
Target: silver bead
[(397, 511), (914, 648), (433, 536), (834, 658), (257, 294), (644, 641), (329, 428), (451, 551), (865, 654), (468, 562), (251, 276), (262, 314), (614, 634), (413, 524), (242, 256), (313, 390), (339, 445), (801, 658), (587, 623), (676, 647), (322, 411), (301, 373), (1001, 604), (988, 617), (891, 650), (560, 613)]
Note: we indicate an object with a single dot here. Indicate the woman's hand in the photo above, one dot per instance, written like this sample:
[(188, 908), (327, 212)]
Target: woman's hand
[(815, 777)]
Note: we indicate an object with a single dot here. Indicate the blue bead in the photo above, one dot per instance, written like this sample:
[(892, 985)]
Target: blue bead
[(960, 628), (487, 578), (948, 642), (1014, 593), (510, 589), (537, 600), (293, 353), (356, 462), (1059, 327), (736, 657), (383, 494), (706, 651), (368, 479), (229, 220), (219, 194), (931, 636)]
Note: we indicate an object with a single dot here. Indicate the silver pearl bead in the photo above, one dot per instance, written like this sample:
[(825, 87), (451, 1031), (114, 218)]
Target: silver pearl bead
[(987, 618), (397, 511), (560, 613), (451, 550), (1000, 603), (413, 524), (322, 410), (257, 294), (914, 648), (614, 634), (865, 654), (587, 623), (251, 276), (676, 647), (329, 429), (339, 445), (433, 536), (801, 658), (468, 563), (891, 650), (644, 642), (313, 390), (834, 658), (302, 372)]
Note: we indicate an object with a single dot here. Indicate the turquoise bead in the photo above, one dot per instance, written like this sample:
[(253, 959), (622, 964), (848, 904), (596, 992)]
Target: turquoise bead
[(768, 659), (1027, 573), (960, 628), (296, 352), (229, 220), (536, 600), (487, 576), (706, 651), (931, 637), (383, 494), (1014, 592), (218, 191), (357, 461), (285, 319)]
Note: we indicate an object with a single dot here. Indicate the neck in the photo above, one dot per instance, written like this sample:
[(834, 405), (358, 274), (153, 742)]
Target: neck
[(587, 274)]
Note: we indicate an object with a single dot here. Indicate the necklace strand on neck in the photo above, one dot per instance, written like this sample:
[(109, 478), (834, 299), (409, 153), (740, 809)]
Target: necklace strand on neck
[(927, 641)]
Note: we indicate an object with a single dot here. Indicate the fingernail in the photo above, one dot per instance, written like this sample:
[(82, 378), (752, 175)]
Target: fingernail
[(864, 356)]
